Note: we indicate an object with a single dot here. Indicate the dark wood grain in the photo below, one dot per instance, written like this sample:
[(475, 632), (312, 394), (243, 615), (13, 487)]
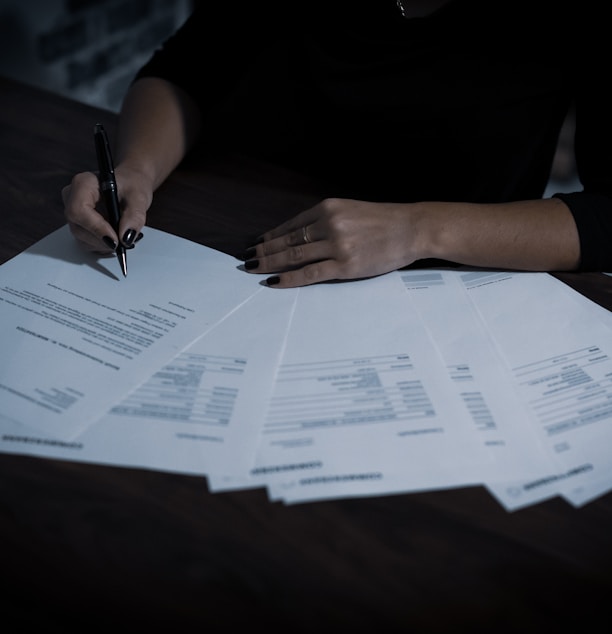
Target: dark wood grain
[(92, 548)]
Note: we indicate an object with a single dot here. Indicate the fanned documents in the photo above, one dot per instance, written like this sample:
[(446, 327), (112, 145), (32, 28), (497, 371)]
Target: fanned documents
[(76, 339), (198, 413), (557, 347), (361, 396), (415, 380)]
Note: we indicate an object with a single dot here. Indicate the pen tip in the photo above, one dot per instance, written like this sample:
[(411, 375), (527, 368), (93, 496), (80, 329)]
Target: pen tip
[(122, 261)]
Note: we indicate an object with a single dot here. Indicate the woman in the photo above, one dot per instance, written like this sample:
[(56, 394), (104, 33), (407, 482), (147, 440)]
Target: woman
[(436, 121)]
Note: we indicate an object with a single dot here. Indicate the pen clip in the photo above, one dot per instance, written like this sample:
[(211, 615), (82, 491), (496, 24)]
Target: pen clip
[(105, 159)]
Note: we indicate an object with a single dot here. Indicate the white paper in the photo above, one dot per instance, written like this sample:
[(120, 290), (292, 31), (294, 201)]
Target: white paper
[(411, 381), (198, 414), (479, 378), (476, 370), (76, 339), (588, 489), (558, 350), (361, 394)]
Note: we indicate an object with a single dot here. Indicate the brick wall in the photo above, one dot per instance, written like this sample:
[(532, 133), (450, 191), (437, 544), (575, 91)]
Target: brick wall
[(86, 49)]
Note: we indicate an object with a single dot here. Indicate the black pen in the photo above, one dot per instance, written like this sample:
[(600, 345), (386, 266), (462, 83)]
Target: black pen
[(108, 187)]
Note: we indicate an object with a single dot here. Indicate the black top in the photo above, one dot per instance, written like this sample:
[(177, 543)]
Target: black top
[(465, 104)]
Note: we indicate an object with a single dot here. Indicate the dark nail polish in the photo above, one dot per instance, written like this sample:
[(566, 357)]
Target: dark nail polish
[(109, 242), (138, 237), (272, 281), (128, 237), (249, 254), (251, 264)]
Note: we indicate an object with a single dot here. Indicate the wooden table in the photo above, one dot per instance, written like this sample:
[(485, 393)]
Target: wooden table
[(94, 548)]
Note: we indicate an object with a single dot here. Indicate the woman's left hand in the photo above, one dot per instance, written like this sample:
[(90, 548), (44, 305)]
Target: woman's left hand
[(337, 239)]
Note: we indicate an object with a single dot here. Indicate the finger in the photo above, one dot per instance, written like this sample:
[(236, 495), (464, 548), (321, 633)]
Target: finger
[(133, 219), (89, 226), (293, 225), (289, 258), (303, 235), (92, 242), (322, 271)]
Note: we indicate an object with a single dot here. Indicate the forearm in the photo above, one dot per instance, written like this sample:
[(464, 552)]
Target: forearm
[(538, 235), (158, 124)]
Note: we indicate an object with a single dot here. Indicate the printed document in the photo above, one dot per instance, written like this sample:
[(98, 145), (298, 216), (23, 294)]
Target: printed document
[(557, 346), (478, 377), (76, 338), (198, 414), (362, 394), (410, 381)]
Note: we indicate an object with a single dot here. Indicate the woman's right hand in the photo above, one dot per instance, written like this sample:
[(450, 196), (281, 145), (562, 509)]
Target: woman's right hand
[(86, 217)]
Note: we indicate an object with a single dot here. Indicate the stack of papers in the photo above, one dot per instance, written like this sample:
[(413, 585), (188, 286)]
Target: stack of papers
[(412, 381)]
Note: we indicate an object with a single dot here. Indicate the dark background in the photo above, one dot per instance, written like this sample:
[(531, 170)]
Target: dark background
[(84, 49), (89, 50)]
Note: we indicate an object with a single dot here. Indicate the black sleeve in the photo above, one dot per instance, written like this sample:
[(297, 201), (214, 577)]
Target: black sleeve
[(593, 217), (592, 208)]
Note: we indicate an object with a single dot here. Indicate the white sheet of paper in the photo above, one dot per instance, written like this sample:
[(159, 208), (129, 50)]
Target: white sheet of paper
[(361, 393), (76, 338), (477, 372), (378, 390), (558, 349), (478, 376), (199, 413), (588, 489)]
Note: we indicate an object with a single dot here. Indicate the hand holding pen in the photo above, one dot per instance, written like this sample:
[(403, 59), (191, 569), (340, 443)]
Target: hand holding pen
[(108, 188)]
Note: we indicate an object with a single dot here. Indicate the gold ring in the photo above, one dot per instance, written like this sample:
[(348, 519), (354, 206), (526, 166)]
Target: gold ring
[(305, 235)]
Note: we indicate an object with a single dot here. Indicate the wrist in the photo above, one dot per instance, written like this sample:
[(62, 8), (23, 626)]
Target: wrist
[(429, 231)]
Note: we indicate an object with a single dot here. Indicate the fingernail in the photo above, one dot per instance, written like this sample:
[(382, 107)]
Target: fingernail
[(109, 242), (272, 281), (138, 237), (251, 264), (128, 237)]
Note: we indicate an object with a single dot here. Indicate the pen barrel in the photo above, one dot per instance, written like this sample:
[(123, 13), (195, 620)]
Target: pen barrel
[(111, 201)]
